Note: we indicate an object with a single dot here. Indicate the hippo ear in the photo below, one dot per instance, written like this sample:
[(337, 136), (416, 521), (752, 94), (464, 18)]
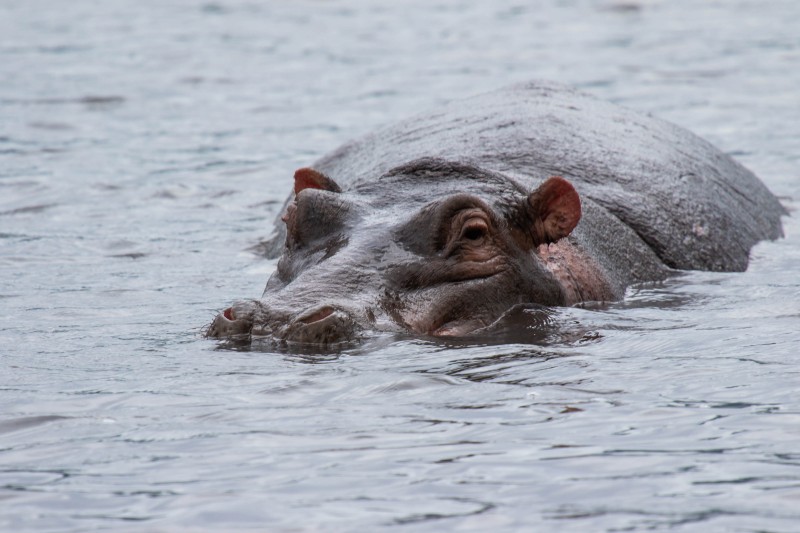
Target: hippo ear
[(556, 209), (308, 178)]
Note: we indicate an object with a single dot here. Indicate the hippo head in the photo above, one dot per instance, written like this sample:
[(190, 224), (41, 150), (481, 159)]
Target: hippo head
[(432, 247)]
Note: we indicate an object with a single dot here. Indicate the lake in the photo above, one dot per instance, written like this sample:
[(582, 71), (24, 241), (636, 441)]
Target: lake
[(145, 147)]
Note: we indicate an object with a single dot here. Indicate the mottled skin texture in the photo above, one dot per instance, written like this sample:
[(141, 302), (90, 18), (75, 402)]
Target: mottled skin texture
[(442, 223)]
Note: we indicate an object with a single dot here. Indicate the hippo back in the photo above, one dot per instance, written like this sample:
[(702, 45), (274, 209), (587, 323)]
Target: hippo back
[(654, 194)]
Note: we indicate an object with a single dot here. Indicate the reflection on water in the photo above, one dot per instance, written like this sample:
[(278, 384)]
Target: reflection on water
[(144, 149)]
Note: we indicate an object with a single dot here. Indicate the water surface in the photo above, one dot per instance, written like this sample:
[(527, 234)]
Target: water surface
[(145, 147)]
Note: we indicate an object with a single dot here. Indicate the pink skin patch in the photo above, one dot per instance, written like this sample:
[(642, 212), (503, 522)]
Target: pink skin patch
[(582, 278)]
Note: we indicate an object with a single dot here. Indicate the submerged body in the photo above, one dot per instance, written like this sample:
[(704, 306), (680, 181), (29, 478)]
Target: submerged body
[(532, 195)]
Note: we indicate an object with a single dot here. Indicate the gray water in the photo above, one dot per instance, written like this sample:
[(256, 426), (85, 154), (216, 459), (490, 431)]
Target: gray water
[(145, 146)]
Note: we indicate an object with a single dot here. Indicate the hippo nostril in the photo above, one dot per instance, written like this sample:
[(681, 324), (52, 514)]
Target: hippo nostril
[(318, 315), (237, 319), (325, 324)]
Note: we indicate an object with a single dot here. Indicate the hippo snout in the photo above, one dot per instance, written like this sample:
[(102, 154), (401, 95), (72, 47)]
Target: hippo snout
[(324, 324), (321, 325)]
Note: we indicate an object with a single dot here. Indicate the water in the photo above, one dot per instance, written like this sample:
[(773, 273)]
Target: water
[(145, 147)]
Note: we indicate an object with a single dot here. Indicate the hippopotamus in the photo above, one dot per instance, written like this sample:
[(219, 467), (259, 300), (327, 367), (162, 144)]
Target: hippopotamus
[(535, 195)]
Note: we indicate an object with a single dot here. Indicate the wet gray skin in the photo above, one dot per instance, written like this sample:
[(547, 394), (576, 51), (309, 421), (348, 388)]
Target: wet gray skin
[(535, 195)]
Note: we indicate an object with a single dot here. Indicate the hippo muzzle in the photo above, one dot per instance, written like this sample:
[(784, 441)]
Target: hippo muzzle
[(324, 325)]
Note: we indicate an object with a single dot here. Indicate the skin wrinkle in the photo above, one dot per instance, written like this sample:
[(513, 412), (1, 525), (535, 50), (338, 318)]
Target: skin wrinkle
[(461, 258)]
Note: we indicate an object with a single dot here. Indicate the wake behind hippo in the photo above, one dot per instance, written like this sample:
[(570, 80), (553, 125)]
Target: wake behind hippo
[(534, 195)]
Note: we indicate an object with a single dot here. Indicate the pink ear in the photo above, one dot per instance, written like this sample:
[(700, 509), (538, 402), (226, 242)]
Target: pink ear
[(556, 207), (308, 178)]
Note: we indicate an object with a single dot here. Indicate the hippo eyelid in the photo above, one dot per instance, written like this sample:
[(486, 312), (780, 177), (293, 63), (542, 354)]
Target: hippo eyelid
[(430, 231), (474, 229), (471, 227)]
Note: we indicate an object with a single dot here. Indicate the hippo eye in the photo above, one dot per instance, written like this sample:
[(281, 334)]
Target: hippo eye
[(474, 229), (470, 230), (473, 239)]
